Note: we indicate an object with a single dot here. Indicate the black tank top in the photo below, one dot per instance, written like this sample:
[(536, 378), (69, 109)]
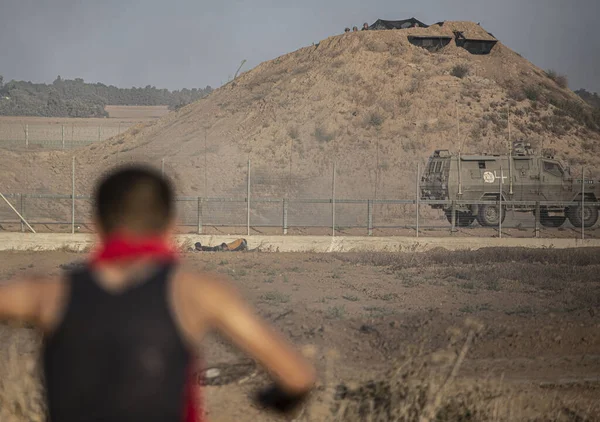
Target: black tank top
[(116, 357)]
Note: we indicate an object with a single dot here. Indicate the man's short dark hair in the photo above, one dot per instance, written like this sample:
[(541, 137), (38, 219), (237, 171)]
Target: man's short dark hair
[(135, 198)]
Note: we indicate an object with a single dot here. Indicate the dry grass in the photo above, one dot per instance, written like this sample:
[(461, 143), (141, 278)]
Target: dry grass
[(423, 387), (21, 393)]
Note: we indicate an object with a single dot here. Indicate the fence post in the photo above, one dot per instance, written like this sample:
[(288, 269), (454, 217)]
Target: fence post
[(73, 196), (500, 204), (199, 215), (453, 211), (16, 212), (22, 211), (62, 135), (99, 127), (370, 217), (248, 202), (285, 216), (333, 202), (417, 197), (537, 219), (27, 136), (582, 203)]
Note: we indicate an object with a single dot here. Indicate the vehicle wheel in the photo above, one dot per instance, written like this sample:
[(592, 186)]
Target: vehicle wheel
[(548, 221), (489, 215), (590, 215), (463, 219)]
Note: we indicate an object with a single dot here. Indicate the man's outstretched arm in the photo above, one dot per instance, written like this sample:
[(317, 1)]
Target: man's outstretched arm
[(229, 314), (20, 300)]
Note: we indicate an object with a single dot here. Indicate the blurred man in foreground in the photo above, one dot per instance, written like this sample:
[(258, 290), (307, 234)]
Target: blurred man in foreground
[(119, 332)]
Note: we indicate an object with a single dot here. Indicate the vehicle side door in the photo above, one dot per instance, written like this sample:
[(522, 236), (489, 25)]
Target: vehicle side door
[(525, 187), (551, 180)]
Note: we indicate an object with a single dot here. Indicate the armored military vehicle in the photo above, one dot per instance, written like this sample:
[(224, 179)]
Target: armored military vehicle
[(521, 176)]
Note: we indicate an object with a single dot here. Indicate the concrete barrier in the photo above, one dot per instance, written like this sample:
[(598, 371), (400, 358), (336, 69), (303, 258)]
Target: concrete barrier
[(84, 242)]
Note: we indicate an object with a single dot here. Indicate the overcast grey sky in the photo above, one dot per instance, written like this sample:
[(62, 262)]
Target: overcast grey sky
[(193, 43)]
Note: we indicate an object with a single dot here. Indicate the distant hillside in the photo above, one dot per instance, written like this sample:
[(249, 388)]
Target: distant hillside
[(591, 98), (370, 101), (76, 98)]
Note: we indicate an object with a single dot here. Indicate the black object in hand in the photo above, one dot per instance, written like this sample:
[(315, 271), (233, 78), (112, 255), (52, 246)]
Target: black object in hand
[(276, 399)]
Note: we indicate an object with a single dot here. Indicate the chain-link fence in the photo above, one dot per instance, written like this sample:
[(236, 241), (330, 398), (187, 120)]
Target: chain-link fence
[(59, 134), (244, 200)]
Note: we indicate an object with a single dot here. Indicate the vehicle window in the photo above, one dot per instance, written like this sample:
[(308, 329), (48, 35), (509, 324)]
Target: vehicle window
[(553, 168)]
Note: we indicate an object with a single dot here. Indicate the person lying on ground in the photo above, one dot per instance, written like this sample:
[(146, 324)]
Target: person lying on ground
[(119, 332)]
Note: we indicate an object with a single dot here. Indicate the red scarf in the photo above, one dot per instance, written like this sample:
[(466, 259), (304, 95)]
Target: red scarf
[(122, 246)]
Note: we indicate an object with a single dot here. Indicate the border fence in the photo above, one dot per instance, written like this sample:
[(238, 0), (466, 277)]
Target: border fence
[(246, 213), (58, 135)]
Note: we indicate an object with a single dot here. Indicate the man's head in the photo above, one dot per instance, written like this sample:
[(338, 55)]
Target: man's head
[(365, 25), (136, 199)]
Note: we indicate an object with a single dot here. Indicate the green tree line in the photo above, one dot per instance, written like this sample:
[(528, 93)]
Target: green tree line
[(76, 98)]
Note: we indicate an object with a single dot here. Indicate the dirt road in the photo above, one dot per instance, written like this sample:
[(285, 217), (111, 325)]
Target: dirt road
[(527, 322)]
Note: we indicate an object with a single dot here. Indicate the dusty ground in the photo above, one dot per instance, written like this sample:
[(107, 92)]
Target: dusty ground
[(136, 112), (528, 320)]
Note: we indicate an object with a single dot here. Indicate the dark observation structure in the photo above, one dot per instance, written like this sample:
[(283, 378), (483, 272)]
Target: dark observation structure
[(474, 45), (431, 42), (401, 24)]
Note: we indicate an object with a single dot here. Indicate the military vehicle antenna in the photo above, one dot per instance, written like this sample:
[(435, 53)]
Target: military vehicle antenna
[(239, 68), (459, 151), (510, 163), (582, 203), (500, 203)]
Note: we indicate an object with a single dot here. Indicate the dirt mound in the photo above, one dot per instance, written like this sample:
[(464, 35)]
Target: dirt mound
[(370, 101)]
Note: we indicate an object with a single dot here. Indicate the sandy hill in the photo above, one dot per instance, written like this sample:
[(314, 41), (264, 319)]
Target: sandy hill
[(370, 101)]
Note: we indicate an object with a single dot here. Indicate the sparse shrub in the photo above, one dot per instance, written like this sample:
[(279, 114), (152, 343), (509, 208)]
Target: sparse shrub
[(587, 146), (516, 94), (561, 80), (392, 63), (551, 73), (337, 64), (467, 309), (377, 46), (275, 296), (351, 298), (374, 119), (301, 69), (532, 93), (460, 71), (414, 86), (404, 103), (335, 312), (417, 58), (293, 132), (322, 135)]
